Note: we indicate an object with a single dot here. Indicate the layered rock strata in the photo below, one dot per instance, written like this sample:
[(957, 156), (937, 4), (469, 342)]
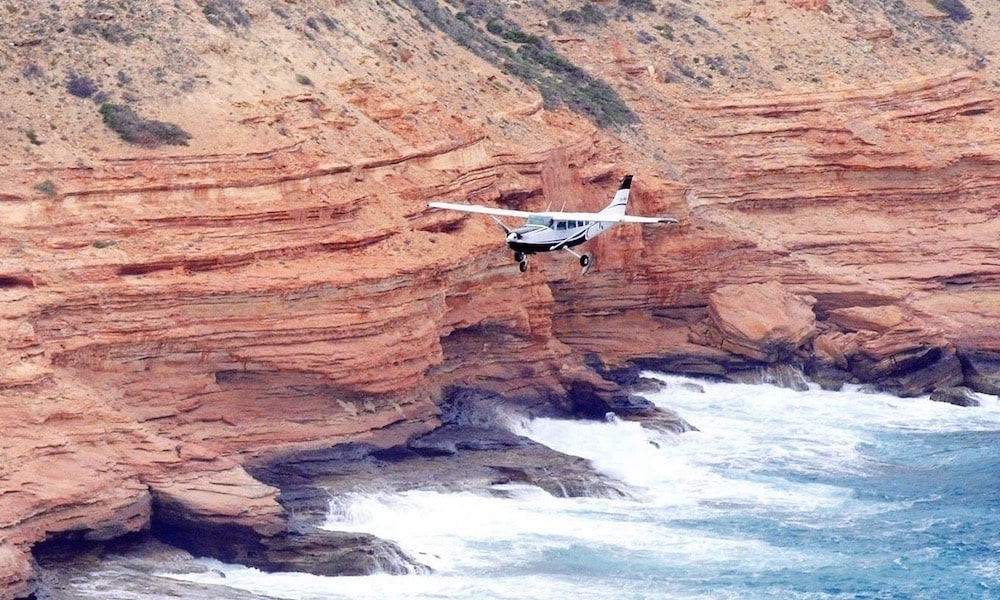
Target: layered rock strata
[(278, 286)]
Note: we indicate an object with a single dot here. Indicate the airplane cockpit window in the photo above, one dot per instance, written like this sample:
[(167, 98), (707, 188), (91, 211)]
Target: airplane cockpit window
[(539, 220), (560, 224)]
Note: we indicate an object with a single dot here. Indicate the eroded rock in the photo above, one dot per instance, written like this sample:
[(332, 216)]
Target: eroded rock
[(959, 396), (765, 321), (17, 576), (982, 369), (131, 567)]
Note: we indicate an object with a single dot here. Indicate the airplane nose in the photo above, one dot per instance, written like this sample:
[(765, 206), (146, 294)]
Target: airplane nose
[(513, 236)]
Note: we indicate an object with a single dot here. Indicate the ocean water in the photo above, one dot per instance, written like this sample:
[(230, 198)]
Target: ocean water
[(780, 494)]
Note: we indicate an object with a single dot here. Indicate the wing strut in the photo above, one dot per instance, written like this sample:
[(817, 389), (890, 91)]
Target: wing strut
[(501, 224)]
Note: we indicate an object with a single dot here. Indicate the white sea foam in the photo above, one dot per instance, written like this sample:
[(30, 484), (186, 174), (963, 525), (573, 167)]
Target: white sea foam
[(709, 468), (458, 532), (298, 586)]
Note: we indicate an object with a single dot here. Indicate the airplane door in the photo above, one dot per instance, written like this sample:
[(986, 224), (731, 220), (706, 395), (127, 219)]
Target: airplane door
[(596, 229)]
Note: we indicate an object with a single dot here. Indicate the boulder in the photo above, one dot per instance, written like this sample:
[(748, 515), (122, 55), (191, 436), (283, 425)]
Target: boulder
[(233, 518), (829, 377), (763, 321), (780, 375), (334, 553), (832, 348), (895, 353), (591, 402), (450, 439), (959, 396), (938, 369), (982, 369), (888, 347), (868, 318)]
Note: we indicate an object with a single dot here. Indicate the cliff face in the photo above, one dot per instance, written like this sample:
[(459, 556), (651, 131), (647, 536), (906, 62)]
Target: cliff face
[(278, 283)]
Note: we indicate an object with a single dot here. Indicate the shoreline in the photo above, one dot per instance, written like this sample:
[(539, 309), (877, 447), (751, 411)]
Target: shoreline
[(471, 451)]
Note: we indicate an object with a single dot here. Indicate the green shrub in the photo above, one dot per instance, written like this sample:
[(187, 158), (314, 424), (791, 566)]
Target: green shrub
[(666, 31), (512, 33), (640, 5), (588, 14), (80, 86), (134, 129), (226, 13), (535, 61), (47, 188)]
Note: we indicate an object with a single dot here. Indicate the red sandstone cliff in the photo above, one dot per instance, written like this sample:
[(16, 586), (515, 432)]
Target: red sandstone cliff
[(279, 282)]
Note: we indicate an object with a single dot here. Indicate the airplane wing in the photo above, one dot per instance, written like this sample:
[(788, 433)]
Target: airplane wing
[(482, 210), (638, 219), (559, 216), (606, 218)]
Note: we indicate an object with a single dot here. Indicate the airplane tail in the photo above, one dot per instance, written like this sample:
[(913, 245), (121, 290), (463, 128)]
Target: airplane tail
[(620, 201)]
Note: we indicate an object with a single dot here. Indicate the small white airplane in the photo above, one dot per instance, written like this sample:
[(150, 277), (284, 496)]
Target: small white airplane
[(548, 231)]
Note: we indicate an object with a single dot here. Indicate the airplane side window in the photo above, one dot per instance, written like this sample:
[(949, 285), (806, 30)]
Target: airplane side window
[(561, 225)]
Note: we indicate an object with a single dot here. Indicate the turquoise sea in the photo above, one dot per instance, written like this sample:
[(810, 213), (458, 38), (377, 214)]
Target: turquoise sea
[(780, 494)]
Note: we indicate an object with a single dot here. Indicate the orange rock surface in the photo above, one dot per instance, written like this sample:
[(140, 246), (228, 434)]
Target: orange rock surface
[(280, 283)]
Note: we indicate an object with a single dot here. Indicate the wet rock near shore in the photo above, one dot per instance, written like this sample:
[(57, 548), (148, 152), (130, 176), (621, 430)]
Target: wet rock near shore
[(137, 566), (587, 403), (300, 546), (959, 396), (473, 450), (982, 369)]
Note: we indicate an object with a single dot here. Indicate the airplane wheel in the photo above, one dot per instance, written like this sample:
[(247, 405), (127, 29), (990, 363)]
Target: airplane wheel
[(585, 261), (522, 265), (519, 256)]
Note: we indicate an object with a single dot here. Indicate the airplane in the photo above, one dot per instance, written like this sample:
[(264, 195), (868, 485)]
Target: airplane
[(548, 231)]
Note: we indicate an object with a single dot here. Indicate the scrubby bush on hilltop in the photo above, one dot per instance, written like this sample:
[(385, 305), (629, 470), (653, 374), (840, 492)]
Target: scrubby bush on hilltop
[(529, 57), (134, 129), (955, 10), (226, 13)]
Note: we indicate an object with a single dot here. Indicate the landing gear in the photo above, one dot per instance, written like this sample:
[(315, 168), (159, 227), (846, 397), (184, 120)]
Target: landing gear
[(522, 260), (586, 260)]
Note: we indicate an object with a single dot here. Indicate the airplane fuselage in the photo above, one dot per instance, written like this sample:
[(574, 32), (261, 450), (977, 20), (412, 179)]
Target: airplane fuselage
[(543, 233)]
